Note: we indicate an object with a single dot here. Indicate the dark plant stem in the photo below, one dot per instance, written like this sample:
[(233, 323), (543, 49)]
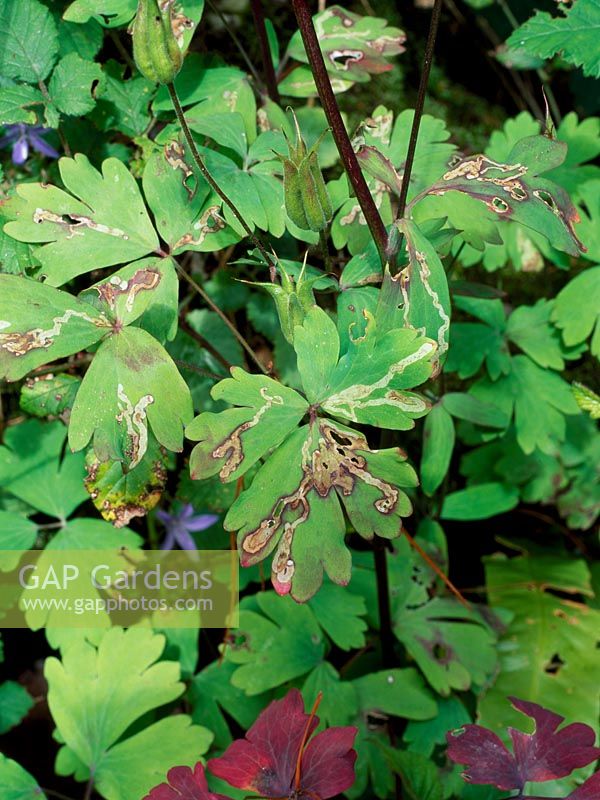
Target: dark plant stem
[(58, 795), (383, 600), (422, 92), (203, 342), (236, 41), (211, 304), (338, 129), (265, 51), (89, 788), (209, 178)]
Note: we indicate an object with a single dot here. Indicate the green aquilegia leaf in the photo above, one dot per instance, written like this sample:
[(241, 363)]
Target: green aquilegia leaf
[(131, 383), (573, 34), (39, 324), (102, 222), (293, 505), (513, 190)]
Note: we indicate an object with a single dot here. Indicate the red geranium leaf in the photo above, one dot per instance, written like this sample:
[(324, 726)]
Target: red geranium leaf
[(184, 784), (328, 763), (548, 753), (485, 755), (266, 760), (590, 790)]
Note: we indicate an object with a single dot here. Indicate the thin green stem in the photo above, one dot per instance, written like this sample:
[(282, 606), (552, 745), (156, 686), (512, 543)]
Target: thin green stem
[(53, 793), (209, 178), (338, 129), (209, 302)]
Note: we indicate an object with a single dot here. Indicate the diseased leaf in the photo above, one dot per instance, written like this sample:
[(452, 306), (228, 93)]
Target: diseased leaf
[(425, 292), (15, 101), (293, 506), (104, 217), (39, 324), (574, 35), (353, 46), (513, 190), (233, 440), (587, 400), (120, 494), (130, 384)]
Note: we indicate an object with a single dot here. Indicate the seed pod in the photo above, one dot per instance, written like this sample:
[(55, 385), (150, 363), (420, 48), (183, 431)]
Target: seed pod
[(292, 300), (306, 197), (156, 51)]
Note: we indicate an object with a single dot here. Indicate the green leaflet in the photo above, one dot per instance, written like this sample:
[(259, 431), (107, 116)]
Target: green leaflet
[(573, 34), (28, 40), (577, 309), (16, 783), (438, 444), (104, 215), (95, 694), (39, 324), (131, 384)]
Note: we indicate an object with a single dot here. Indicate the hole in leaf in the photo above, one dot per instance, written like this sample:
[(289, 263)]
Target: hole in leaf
[(554, 665), (500, 205)]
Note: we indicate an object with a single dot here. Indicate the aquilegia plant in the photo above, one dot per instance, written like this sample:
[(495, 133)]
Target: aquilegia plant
[(269, 286)]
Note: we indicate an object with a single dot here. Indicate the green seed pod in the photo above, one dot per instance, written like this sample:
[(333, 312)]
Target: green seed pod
[(156, 51), (306, 198), (292, 300)]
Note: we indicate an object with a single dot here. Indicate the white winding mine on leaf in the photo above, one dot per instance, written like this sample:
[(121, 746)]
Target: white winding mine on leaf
[(42, 215), (136, 423), (143, 280), (477, 168), (445, 326), (19, 344), (358, 396), (210, 222), (231, 449), (334, 464)]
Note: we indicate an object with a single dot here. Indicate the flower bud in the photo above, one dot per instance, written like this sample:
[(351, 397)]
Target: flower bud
[(156, 51), (306, 198)]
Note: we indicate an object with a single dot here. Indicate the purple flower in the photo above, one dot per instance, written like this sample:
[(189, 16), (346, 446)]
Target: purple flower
[(182, 524), (23, 137)]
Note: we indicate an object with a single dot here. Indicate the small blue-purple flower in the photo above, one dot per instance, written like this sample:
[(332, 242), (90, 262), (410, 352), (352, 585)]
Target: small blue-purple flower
[(22, 138), (182, 524)]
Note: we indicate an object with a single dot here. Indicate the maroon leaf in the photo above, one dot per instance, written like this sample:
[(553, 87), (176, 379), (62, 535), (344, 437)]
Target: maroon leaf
[(184, 784), (272, 761), (546, 754), (487, 758)]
